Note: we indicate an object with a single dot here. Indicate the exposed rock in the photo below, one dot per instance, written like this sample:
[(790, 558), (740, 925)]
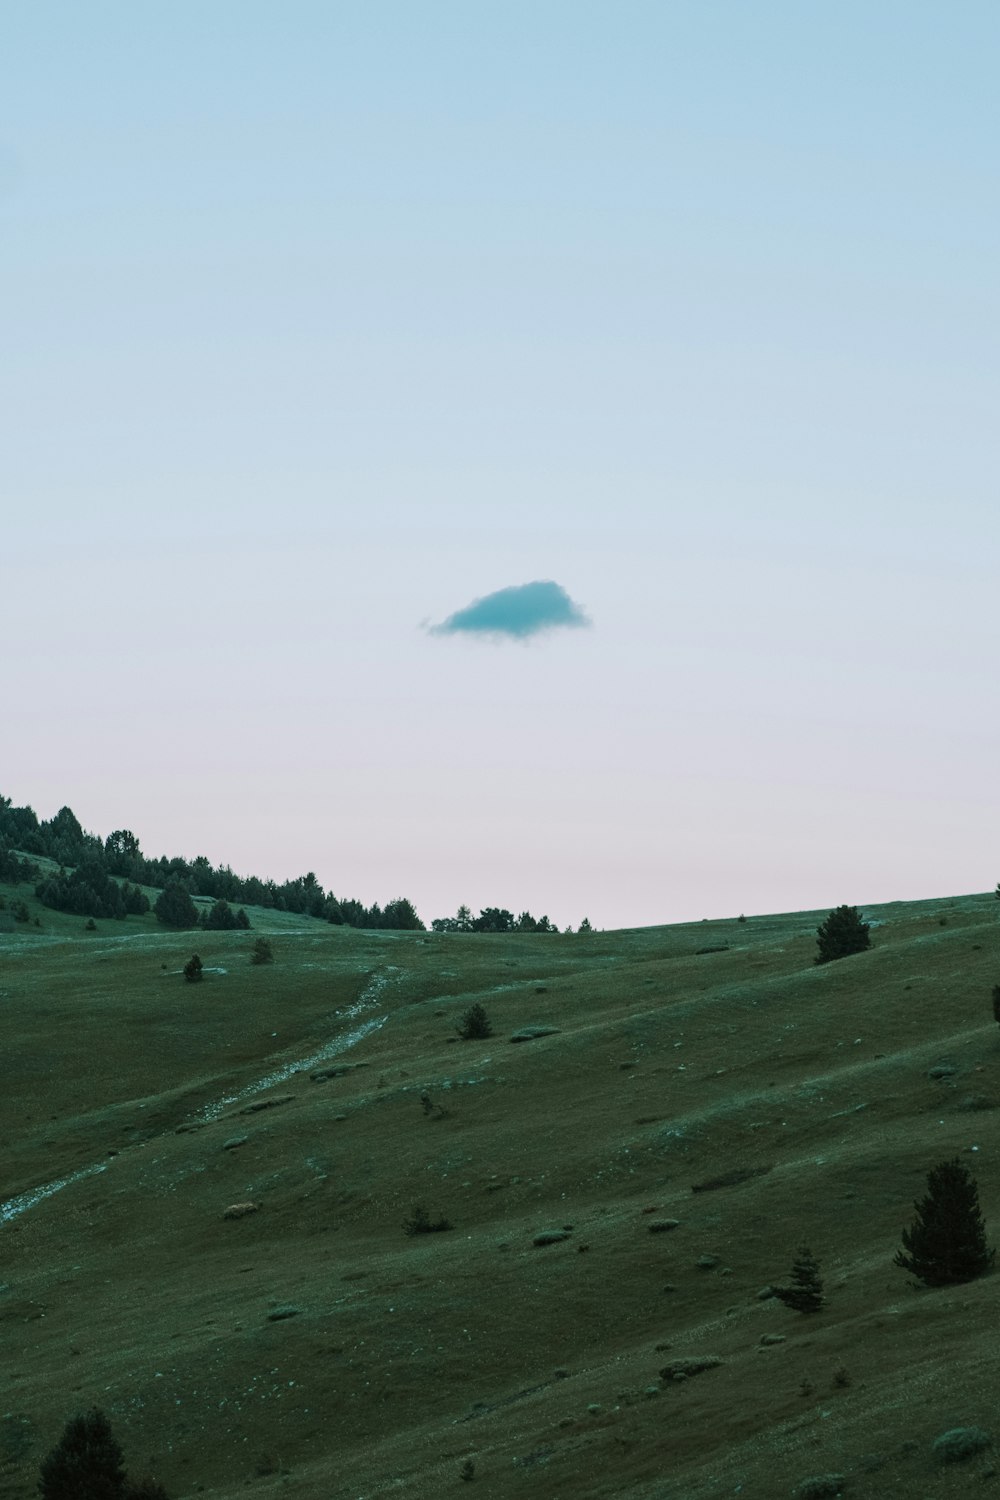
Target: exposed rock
[(550, 1236), (240, 1210), (662, 1226), (234, 1141), (529, 1033)]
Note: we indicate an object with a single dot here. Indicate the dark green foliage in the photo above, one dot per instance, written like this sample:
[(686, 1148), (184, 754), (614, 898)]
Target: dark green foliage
[(841, 934), (220, 918), (90, 892), (63, 839), (494, 919), (946, 1243), (262, 952), (420, 1222), (242, 920), (21, 912), (996, 1003), (86, 1463), (174, 907), (122, 854), (396, 916), (193, 969), (13, 869), (90, 925), (805, 1294), (585, 926), (475, 1024)]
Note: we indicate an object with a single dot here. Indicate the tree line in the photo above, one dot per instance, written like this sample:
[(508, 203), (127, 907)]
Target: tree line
[(101, 877)]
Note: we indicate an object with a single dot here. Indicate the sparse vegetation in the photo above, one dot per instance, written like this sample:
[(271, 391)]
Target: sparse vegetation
[(844, 932), (996, 1003), (650, 1089), (946, 1243)]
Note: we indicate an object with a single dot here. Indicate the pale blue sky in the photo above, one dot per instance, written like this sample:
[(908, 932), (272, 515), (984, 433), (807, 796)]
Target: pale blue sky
[(322, 320)]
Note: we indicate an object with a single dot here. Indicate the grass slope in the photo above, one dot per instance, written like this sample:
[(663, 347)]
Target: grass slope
[(406, 1356)]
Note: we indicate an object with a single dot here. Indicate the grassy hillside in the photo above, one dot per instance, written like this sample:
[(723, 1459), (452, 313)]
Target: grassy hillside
[(401, 1357)]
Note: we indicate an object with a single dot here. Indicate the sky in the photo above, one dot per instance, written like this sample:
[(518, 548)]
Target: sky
[(540, 455)]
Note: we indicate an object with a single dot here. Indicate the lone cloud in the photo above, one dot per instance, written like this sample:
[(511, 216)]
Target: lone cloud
[(524, 610)]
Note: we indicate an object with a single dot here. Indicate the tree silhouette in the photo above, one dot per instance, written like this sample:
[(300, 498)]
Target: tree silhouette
[(805, 1294), (946, 1243), (86, 1463), (475, 1024), (842, 933)]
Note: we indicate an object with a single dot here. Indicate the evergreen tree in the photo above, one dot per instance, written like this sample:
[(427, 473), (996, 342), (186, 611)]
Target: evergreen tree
[(842, 933), (262, 952), (996, 1003), (475, 1024), (946, 1243), (85, 1464), (805, 1294), (174, 907), (193, 969), (220, 917)]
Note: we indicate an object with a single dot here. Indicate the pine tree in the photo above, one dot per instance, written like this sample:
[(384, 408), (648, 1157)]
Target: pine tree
[(996, 1003), (174, 906), (842, 933), (475, 1024), (805, 1294), (86, 1463), (946, 1243), (193, 969)]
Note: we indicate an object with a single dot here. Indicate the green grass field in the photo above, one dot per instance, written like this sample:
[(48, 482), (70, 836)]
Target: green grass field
[(398, 1358)]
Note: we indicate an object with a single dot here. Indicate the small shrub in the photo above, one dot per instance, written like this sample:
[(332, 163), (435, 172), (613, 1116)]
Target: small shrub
[(841, 1377), (475, 1024), (193, 969), (21, 912), (996, 1003), (90, 926), (468, 1470), (262, 952), (960, 1443), (420, 1222)]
